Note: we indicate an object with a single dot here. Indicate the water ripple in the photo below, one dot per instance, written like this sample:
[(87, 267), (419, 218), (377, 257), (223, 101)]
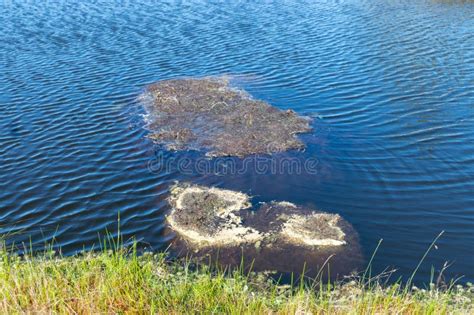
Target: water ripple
[(390, 85)]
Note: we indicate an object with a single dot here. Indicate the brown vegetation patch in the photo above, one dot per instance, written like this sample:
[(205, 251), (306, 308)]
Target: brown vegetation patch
[(206, 216), (275, 236), (206, 114), (289, 223)]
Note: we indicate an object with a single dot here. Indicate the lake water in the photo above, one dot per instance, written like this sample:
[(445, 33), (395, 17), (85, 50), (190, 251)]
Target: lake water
[(389, 85)]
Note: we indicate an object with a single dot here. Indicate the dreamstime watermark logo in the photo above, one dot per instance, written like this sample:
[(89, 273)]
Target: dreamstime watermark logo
[(163, 162)]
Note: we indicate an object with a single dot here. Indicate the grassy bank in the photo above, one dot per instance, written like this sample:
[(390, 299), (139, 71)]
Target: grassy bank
[(121, 281)]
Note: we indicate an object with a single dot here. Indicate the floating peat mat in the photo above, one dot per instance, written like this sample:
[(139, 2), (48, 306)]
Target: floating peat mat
[(207, 114), (223, 226)]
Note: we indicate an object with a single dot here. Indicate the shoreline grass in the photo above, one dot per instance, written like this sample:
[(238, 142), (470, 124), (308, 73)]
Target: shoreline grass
[(121, 281)]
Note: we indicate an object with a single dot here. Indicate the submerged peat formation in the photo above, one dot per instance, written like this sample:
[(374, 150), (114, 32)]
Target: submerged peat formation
[(278, 236), (207, 114)]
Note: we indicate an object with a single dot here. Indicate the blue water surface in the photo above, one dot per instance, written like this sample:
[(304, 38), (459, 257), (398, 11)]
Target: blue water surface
[(389, 86)]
